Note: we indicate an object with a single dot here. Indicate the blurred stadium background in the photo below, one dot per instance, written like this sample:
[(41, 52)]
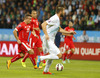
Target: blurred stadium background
[(85, 15)]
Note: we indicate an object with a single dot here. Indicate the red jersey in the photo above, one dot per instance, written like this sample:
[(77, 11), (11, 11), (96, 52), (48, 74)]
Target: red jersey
[(69, 37), (35, 24), (23, 31)]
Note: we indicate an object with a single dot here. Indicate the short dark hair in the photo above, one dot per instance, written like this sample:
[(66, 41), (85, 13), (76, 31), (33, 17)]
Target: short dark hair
[(59, 8), (70, 21), (27, 15), (33, 11)]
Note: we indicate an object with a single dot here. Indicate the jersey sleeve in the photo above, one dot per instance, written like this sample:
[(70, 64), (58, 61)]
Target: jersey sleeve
[(73, 29), (19, 27), (66, 29), (51, 21)]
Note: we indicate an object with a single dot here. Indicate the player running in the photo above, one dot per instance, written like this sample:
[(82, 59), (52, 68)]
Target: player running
[(50, 29), (21, 34), (68, 43), (34, 41)]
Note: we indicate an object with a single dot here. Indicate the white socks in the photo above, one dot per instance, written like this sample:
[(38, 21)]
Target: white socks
[(48, 64), (51, 56)]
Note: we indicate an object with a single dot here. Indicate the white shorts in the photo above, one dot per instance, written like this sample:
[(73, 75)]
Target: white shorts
[(49, 46)]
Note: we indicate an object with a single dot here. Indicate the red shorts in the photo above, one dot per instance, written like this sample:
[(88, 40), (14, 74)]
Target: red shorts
[(23, 47), (35, 42), (68, 44)]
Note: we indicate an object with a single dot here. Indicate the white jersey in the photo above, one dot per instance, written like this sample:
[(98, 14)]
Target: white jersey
[(52, 29), (53, 26)]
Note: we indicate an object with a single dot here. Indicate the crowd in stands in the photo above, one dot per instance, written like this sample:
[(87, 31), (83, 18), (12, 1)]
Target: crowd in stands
[(85, 14)]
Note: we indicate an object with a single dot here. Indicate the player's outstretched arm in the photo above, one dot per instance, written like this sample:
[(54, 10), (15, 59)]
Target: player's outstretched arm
[(66, 32), (16, 36), (44, 24)]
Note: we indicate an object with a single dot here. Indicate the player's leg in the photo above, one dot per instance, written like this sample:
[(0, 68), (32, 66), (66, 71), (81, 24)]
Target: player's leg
[(53, 50), (72, 47), (15, 58), (32, 58), (27, 54), (40, 49), (71, 53), (64, 57), (66, 47), (48, 64), (27, 49), (24, 58), (33, 42), (51, 56), (42, 54)]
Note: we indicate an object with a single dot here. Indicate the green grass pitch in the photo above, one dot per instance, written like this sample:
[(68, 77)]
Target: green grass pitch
[(76, 69)]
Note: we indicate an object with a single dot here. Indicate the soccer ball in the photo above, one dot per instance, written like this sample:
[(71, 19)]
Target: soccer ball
[(59, 67)]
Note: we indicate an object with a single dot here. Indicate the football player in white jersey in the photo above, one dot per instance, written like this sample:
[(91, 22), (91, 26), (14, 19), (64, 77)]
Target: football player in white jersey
[(50, 29)]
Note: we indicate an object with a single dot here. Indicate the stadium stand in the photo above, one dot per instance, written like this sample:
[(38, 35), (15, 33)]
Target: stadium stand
[(84, 13)]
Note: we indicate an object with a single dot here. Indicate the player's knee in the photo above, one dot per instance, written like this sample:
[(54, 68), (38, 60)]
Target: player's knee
[(21, 54), (40, 49), (66, 51), (73, 50), (31, 51), (59, 55)]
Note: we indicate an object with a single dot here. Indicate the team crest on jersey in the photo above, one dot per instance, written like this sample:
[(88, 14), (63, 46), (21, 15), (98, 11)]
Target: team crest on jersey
[(19, 25), (49, 21)]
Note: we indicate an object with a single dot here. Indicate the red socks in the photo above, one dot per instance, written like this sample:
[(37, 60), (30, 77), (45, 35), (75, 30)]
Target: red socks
[(32, 59), (16, 57), (31, 56), (25, 57), (64, 56), (69, 55)]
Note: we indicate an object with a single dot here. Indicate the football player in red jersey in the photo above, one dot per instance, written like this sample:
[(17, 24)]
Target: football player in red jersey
[(21, 34), (68, 43), (33, 40)]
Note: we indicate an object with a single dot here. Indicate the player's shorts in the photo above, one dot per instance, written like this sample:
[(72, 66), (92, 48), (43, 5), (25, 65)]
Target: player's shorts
[(68, 44), (24, 47), (35, 42), (50, 47)]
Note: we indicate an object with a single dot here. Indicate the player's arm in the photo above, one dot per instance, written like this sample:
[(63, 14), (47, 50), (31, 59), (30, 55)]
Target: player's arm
[(33, 32), (66, 32), (16, 36), (68, 35), (44, 24), (74, 38), (38, 29)]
